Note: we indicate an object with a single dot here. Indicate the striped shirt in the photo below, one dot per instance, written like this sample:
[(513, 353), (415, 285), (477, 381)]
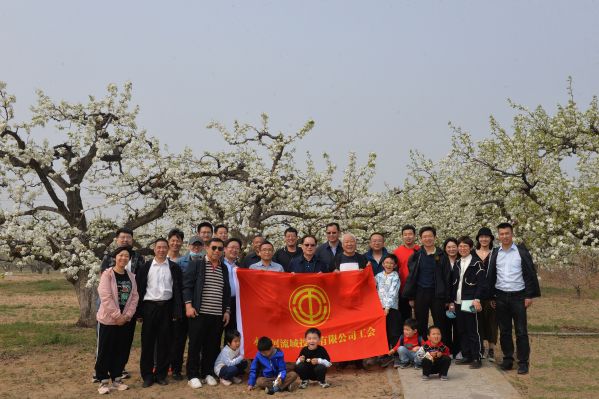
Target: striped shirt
[(212, 294)]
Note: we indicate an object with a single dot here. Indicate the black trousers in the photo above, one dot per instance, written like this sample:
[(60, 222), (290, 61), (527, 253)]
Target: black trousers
[(309, 371), (454, 336), (468, 327), (405, 309), (205, 332), (439, 366), (232, 326), (156, 338), (113, 351), (487, 323), (425, 301), (178, 347), (510, 307), (394, 327)]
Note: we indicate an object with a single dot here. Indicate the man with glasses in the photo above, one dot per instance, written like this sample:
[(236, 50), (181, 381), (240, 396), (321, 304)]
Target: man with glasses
[(232, 250), (326, 252), (308, 262), (207, 294), (205, 231), (266, 253)]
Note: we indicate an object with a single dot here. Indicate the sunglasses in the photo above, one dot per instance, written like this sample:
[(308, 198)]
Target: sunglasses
[(332, 232), (309, 245), (215, 248)]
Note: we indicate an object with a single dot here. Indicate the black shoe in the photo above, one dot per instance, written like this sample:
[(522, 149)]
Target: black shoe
[(270, 390), (465, 360), (125, 374), (523, 369), (476, 364), (177, 376), (148, 382), (506, 365), (162, 381), (491, 355)]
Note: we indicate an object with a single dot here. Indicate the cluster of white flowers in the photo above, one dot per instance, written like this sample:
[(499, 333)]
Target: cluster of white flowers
[(100, 171)]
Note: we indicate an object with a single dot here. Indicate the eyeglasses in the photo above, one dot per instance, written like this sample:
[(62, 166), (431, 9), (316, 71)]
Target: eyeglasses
[(308, 245), (332, 232), (215, 248)]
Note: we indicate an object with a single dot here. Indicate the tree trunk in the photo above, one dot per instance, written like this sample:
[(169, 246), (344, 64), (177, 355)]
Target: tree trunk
[(87, 297)]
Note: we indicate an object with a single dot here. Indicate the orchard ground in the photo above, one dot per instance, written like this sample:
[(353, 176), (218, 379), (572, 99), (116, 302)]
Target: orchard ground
[(42, 353)]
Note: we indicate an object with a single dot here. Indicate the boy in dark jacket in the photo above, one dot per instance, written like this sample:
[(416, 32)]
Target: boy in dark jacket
[(268, 369), (313, 360), (434, 355)]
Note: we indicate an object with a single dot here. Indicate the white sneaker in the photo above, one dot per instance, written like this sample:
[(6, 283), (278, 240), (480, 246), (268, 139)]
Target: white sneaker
[(225, 382), (210, 380), (104, 387), (237, 380), (194, 383), (119, 386), (459, 356)]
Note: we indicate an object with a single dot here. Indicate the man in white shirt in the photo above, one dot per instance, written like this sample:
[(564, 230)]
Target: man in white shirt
[(159, 284), (513, 282)]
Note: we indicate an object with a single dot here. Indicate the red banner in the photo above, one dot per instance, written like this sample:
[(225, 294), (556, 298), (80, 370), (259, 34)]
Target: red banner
[(344, 306)]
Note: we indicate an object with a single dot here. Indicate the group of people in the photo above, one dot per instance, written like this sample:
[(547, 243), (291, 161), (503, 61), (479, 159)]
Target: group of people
[(471, 290)]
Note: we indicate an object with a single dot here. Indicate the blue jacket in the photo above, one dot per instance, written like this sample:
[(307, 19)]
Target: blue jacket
[(268, 367), (376, 267)]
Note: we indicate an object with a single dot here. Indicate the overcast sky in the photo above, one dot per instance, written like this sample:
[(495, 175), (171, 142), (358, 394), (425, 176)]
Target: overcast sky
[(382, 76)]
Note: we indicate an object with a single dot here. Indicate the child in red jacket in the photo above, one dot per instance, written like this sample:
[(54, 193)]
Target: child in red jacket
[(435, 355)]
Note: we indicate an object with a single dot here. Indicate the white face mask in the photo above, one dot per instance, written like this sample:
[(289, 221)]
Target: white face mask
[(194, 253)]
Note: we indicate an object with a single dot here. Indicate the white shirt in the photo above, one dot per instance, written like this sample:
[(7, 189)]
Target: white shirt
[(160, 282), (509, 270), (128, 267), (231, 268), (464, 262)]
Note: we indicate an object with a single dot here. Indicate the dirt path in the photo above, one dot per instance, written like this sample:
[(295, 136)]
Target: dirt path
[(66, 373)]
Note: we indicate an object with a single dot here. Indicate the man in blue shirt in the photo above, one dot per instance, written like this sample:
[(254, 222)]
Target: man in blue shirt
[(513, 283)]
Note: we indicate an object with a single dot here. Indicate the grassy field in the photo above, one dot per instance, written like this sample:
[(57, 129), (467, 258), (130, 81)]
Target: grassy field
[(40, 346)]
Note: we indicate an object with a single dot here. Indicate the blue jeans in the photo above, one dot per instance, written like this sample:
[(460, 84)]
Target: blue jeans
[(228, 372), (407, 356)]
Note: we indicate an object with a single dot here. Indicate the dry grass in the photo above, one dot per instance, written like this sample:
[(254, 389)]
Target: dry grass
[(43, 354)]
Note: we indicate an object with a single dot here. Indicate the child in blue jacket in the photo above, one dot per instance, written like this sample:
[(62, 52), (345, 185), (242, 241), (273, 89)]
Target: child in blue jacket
[(268, 370)]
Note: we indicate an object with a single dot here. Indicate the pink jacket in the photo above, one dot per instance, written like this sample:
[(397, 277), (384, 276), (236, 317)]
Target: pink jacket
[(109, 302)]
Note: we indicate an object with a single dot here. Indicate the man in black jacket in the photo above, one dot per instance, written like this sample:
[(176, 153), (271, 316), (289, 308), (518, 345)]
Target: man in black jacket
[(427, 286), (513, 283), (207, 294), (159, 284)]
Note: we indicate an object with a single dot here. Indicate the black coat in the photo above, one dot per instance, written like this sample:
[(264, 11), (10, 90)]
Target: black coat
[(441, 278), (529, 273), (474, 284), (193, 284), (141, 277)]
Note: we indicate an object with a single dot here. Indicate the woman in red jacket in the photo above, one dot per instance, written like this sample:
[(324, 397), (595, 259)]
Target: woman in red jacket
[(118, 301)]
